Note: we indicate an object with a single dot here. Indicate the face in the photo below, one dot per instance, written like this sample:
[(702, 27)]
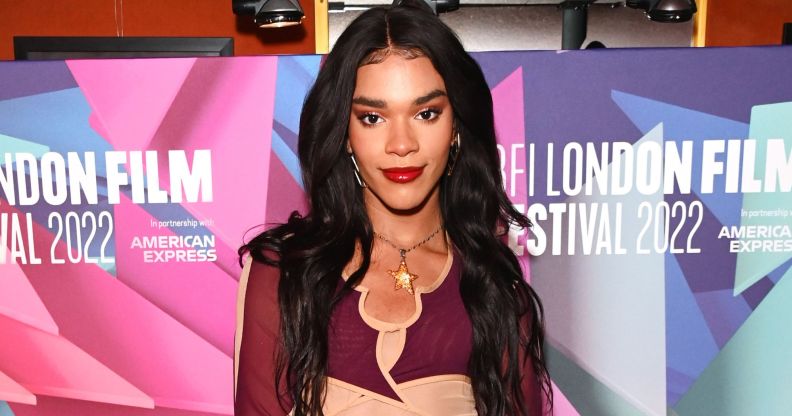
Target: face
[(400, 132)]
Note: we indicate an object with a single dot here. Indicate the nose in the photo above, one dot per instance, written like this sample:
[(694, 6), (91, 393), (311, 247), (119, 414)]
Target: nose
[(401, 139)]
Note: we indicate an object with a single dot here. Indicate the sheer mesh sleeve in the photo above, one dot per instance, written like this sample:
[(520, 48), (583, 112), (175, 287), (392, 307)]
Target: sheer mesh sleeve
[(255, 385), (531, 390)]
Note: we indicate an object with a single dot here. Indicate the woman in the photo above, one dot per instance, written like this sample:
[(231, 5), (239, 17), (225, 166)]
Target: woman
[(396, 294)]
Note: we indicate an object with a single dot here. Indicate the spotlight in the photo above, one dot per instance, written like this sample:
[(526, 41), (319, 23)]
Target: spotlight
[(437, 6), (666, 11), (270, 13), (444, 6)]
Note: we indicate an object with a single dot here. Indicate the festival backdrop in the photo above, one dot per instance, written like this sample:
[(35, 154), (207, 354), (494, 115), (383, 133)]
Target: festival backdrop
[(659, 183)]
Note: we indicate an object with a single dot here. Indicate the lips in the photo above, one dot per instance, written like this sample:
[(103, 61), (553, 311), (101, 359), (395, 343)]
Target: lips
[(403, 175)]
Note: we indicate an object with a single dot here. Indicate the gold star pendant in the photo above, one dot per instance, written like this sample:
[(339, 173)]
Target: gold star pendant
[(403, 277)]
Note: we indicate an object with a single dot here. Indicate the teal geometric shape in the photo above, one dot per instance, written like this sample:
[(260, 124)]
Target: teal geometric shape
[(5, 410), (587, 394), (772, 121), (109, 267), (612, 326), (13, 145), (752, 375)]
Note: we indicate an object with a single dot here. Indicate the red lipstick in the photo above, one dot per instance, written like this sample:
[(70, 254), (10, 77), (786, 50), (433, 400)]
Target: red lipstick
[(403, 175)]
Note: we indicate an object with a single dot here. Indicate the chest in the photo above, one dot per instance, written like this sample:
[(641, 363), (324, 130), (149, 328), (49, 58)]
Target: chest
[(434, 339), (387, 299)]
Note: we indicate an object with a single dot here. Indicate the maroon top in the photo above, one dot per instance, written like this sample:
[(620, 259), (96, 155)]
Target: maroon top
[(439, 342)]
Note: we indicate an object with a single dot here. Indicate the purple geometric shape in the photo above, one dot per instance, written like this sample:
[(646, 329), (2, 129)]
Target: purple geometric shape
[(776, 274), (20, 79), (288, 136), (690, 345), (713, 268), (724, 313), (757, 292), (678, 384)]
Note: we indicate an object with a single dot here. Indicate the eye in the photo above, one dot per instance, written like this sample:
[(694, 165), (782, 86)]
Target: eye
[(428, 114), (370, 119)]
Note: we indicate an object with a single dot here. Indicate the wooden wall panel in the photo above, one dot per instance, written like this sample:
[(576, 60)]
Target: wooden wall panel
[(746, 22), (150, 18)]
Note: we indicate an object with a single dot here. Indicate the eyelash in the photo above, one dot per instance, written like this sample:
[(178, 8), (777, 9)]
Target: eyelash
[(365, 116), (434, 112)]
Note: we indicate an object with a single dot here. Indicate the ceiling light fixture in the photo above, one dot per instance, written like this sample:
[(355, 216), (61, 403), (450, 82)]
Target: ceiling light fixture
[(665, 11), (270, 13), (437, 6)]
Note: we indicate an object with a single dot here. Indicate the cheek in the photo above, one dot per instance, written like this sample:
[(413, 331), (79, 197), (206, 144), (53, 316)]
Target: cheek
[(365, 147), (358, 135), (439, 144), (357, 132), (441, 155)]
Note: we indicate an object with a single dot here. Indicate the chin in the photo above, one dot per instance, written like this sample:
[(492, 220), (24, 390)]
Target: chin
[(403, 200), (404, 207)]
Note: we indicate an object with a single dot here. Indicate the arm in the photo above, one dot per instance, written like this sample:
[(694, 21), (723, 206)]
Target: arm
[(532, 393), (258, 341)]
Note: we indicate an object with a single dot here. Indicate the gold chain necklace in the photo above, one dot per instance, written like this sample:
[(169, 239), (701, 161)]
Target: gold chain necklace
[(402, 276)]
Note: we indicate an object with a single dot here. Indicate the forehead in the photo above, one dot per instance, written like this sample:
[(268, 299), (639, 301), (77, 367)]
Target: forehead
[(398, 78)]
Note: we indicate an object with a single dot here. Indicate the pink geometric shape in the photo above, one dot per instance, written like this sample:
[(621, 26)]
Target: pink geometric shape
[(507, 106), (18, 299), (561, 405), (55, 406), (129, 97), (199, 295), (225, 105), (507, 103), (96, 124), (48, 364), (10, 391), (142, 344)]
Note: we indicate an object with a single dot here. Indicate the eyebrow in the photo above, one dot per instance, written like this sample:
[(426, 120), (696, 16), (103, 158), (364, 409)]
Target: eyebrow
[(372, 102), (428, 97)]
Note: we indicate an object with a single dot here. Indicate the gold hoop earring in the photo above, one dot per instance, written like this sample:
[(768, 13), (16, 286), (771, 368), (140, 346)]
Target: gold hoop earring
[(453, 153), (356, 171)]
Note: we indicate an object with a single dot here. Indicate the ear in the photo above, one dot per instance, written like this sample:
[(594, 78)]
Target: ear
[(454, 130), (348, 146)]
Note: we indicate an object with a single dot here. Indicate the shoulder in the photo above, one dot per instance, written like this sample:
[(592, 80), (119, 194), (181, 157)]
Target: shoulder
[(262, 270), (260, 279)]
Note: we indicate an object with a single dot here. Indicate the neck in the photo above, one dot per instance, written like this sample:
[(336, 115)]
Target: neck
[(405, 228)]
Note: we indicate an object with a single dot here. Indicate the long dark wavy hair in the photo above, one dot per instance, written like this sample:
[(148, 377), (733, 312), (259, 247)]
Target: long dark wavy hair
[(312, 250)]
